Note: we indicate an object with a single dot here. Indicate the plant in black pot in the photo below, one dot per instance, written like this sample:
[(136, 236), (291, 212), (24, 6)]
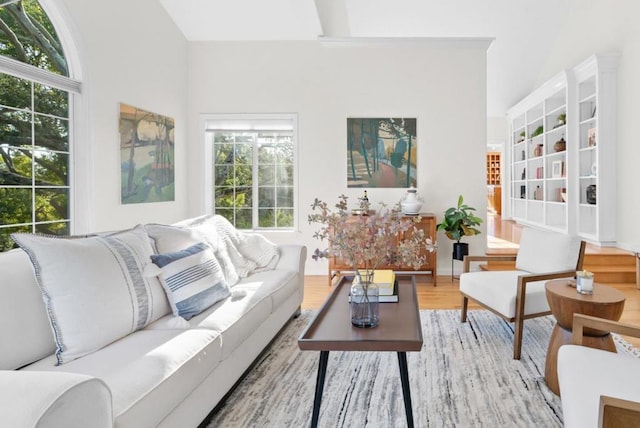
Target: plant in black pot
[(458, 222)]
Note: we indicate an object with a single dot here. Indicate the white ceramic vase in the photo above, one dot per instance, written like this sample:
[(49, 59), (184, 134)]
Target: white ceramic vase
[(411, 202)]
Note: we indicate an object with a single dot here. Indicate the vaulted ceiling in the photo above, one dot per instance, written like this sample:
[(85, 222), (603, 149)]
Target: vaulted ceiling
[(523, 30)]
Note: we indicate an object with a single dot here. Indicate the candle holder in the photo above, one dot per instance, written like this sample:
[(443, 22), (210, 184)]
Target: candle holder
[(584, 282)]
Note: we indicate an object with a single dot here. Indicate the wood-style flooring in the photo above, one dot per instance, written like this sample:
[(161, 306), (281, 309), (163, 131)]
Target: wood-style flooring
[(447, 296)]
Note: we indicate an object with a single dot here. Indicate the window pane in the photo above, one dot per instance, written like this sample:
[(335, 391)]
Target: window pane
[(25, 43), (15, 127), (51, 133), (266, 175), (244, 175), (51, 168), (244, 219), (15, 92), (285, 175), (15, 166), (285, 218), (244, 197), (226, 213), (58, 228), (50, 100), (223, 153), (223, 175), (266, 218), (6, 243), (285, 153), (285, 197), (266, 197), (52, 204), (244, 154), (224, 197), (16, 206), (266, 153)]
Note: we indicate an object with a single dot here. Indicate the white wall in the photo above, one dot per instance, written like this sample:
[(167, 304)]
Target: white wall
[(441, 83), (603, 27), (131, 52)]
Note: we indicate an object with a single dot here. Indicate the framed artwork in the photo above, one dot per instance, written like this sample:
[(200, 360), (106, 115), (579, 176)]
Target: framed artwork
[(381, 152), (591, 137), (557, 169), (146, 156)]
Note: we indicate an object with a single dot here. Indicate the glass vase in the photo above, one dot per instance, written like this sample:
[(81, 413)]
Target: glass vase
[(364, 301)]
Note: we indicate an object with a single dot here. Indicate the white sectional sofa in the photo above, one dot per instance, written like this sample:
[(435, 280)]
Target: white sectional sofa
[(166, 371)]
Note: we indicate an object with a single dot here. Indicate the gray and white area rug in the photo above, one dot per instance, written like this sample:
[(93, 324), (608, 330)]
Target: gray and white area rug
[(464, 376)]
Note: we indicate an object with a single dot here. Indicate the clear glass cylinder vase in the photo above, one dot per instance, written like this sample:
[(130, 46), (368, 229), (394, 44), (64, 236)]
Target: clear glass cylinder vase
[(364, 301)]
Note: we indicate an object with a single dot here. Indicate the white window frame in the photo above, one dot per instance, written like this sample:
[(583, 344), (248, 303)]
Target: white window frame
[(249, 122)]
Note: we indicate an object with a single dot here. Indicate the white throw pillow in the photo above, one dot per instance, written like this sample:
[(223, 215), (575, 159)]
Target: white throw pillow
[(192, 279), (95, 288)]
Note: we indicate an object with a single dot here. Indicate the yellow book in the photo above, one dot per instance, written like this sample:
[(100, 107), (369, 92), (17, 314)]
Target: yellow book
[(384, 279)]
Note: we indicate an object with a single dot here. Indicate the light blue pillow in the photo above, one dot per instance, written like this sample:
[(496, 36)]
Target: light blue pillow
[(192, 278)]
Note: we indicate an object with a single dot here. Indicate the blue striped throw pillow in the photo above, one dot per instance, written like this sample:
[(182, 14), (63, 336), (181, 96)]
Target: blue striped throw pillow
[(192, 278)]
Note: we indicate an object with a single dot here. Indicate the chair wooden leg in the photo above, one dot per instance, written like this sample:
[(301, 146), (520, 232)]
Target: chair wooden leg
[(517, 338), (463, 312)]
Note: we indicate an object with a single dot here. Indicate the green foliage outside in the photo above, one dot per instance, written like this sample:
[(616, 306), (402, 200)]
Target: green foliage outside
[(234, 183), (34, 128)]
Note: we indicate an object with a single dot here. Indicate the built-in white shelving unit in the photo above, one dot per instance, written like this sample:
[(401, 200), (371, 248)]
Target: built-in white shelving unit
[(562, 153)]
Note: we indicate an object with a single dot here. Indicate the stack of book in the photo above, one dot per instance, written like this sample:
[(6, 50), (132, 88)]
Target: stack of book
[(387, 284)]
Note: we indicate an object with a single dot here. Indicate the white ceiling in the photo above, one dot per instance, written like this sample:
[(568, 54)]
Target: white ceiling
[(523, 30)]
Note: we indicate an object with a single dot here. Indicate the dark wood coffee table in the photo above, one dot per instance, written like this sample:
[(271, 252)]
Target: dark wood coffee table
[(564, 301), (399, 331)]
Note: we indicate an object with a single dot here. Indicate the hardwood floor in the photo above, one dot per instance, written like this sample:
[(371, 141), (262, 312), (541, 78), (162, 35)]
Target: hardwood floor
[(447, 296)]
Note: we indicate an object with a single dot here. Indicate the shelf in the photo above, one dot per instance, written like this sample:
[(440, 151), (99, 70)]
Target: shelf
[(585, 94)]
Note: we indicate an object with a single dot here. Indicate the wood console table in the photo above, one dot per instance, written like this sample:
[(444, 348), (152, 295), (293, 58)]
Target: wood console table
[(338, 268)]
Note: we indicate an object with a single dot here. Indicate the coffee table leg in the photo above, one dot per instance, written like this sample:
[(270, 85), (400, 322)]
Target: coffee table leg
[(406, 392), (322, 370)]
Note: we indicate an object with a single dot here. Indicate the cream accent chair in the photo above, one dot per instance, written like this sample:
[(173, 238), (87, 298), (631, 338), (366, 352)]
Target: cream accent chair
[(516, 295), (598, 388)]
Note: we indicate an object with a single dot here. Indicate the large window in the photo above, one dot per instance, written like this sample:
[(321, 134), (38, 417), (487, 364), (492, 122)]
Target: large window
[(35, 105), (252, 170)]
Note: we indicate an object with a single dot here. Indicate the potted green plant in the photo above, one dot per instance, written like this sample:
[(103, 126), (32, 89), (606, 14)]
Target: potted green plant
[(460, 221)]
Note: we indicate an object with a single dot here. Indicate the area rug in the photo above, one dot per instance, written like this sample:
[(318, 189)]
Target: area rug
[(464, 376)]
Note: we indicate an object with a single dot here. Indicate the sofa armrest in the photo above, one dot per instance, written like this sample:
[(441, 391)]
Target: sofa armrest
[(292, 257), (53, 399), (581, 321), (615, 412)]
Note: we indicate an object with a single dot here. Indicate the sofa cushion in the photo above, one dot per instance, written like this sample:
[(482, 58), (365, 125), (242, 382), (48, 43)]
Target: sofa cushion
[(23, 314), (488, 287), (584, 374), (251, 303), (168, 239), (149, 373), (95, 288), (192, 279)]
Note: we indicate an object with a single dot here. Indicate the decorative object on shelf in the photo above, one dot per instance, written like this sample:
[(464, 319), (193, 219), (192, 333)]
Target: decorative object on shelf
[(411, 202), (539, 130), (522, 137), (363, 305), (563, 194), (557, 169), (522, 155), (458, 222), (523, 192), (538, 150), (537, 194), (591, 194), (560, 145), (584, 282), (524, 173), (369, 241), (562, 119), (592, 137)]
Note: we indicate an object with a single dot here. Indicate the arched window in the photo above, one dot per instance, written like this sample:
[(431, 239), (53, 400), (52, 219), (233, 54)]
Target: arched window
[(36, 97)]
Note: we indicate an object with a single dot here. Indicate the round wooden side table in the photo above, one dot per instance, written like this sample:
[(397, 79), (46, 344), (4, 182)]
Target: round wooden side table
[(564, 301)]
